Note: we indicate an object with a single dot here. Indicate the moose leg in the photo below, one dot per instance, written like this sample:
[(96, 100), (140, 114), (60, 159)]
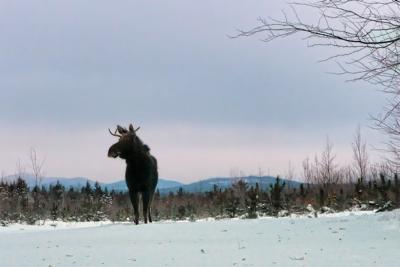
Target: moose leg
[(135, 203), (150, 220), (146, 201), (150, 201)]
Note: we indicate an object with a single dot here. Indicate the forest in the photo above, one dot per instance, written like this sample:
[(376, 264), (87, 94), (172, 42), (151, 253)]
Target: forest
[(19, 203)]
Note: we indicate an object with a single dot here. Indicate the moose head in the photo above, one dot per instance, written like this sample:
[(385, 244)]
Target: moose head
[(127, 144)]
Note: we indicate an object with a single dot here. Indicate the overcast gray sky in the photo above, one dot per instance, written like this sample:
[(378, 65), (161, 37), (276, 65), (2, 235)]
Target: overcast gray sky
[(206, 104)]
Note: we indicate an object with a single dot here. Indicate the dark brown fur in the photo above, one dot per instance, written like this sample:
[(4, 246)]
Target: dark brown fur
[(141, 169)]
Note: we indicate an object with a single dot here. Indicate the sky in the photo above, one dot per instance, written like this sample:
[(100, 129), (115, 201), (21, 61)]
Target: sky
[(208, 105)]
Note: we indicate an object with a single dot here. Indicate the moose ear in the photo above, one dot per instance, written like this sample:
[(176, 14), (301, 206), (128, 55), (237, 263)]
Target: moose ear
[(131, 128), (121, 129)]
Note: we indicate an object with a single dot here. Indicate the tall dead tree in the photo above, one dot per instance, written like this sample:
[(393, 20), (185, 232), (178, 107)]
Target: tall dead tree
[(329, 173), (360, 156), (20, 170), (37, 167), (324, 170)]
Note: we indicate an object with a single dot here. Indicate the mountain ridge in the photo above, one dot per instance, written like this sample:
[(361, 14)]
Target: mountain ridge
[(164, 185)]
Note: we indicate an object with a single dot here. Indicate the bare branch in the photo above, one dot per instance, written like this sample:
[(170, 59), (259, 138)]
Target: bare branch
[(37, 167), (366, 38), (360, 155)]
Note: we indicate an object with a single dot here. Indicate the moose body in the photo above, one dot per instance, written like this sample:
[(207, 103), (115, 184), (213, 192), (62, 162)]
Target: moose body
[(141, 174)]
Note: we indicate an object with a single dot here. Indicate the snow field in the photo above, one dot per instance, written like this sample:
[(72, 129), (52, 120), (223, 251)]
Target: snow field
[(334, 240)]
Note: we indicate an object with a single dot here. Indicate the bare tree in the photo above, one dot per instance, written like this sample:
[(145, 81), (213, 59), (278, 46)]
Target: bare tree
[(323, 170), (365, 35), (390, 125), (289, 175), (347, 173), (237, 174), (381, 168), (37, 167), (312, 170), (360, 155), (328, 168), (307, 172), (20, 170), (260, 175)]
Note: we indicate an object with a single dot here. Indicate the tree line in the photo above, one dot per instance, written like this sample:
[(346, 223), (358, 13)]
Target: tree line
[(19, 203), (327, 187)]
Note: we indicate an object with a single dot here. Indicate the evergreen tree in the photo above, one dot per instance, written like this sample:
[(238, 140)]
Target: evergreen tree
[(276, 193)]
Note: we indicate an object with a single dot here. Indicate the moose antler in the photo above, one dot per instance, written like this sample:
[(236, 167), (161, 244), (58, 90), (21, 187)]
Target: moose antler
[(122, 131), (115, 133), (131, 129)]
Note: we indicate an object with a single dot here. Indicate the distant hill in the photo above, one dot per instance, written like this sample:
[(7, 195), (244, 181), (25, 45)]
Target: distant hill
[(165, 186), (79, 182), (225, 182), (76, 182)]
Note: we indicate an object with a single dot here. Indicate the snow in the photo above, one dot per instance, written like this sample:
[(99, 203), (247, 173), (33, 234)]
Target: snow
[(50, 226), (345, 239)]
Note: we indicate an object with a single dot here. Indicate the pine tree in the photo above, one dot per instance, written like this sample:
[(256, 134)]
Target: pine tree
[(276, 193), (397, 190)]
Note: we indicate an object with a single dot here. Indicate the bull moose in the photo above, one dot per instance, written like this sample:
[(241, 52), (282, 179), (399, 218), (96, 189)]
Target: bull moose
[(141, 174)]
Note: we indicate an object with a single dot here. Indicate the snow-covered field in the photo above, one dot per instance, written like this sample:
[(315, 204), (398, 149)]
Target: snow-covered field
[(347, 239)]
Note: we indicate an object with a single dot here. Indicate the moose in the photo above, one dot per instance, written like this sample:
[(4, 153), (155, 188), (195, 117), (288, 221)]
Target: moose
[(141, 174)]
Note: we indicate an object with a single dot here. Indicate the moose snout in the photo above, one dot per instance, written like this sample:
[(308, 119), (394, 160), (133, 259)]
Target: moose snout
[(112, 154)]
